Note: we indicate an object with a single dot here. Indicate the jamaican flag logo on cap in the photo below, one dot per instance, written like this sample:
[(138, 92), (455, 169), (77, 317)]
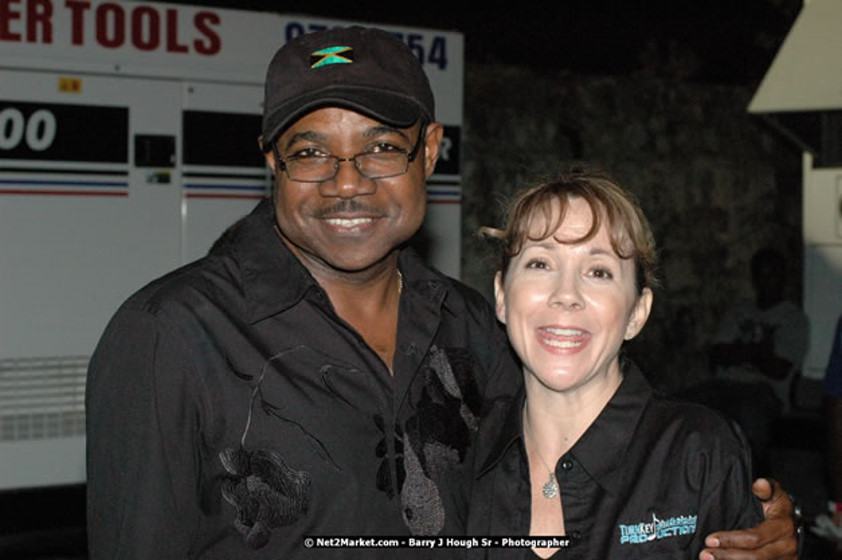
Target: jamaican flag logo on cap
[(331, 55)]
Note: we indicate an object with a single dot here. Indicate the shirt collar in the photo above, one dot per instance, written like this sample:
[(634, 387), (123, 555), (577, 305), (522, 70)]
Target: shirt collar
[(601, 448), (501, 427), (273, 279), (421, 280)]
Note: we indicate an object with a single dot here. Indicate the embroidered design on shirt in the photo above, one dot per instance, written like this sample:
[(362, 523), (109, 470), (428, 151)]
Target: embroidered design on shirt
[(435, 438), (265, 491), (421, 504), (332, 55), (384, 475), (441, 365), (656, 529)]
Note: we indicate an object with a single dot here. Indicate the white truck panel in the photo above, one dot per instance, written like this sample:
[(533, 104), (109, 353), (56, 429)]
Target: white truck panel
[(128, 143)]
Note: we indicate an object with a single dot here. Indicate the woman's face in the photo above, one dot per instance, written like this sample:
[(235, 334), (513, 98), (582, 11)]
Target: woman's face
[(568, 308)]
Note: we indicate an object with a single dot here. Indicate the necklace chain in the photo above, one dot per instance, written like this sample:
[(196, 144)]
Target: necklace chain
[(550, 488)]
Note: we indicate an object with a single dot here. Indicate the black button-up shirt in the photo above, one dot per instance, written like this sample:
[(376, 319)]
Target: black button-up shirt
[(650, 478), (231, 412)]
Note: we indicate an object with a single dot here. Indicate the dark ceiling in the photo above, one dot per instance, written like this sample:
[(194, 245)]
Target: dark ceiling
[(707, 41)]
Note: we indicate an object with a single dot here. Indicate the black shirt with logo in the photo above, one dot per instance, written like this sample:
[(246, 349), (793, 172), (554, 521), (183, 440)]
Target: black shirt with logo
[(650, 478)]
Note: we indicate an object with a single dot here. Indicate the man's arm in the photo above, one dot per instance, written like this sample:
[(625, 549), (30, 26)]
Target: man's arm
[(774, 539), (140, 448)]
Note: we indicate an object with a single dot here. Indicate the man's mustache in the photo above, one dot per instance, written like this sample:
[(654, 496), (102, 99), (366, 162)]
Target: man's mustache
[(348, 207)]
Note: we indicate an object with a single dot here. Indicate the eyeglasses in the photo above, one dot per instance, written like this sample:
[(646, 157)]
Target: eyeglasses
[(317, 167)]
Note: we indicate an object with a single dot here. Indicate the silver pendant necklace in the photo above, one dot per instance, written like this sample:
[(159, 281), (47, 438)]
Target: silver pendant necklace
[(550, 488)]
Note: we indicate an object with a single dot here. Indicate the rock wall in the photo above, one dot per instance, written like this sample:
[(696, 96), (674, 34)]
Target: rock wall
[(714, 181)]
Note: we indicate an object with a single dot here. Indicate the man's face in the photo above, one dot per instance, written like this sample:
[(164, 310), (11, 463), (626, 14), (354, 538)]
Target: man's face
[(349, 223)]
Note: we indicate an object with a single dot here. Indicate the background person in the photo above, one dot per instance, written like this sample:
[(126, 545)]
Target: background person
[(832, 389), (756, 355), (828, 526)]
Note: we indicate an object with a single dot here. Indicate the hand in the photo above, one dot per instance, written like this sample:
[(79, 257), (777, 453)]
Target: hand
[(774, 539)]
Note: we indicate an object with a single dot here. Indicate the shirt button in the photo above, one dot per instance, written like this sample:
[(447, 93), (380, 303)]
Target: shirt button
[(576, 535), (567, 464)]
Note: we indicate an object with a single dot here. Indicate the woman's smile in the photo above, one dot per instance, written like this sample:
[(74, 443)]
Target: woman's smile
[(565, 340)]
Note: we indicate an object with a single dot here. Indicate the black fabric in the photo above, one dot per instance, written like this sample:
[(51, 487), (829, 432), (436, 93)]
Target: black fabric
[(645, 457), (367, 70), (231, 412)]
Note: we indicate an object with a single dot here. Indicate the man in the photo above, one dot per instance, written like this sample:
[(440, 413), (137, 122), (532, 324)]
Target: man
[(311, 376), (758, 351)]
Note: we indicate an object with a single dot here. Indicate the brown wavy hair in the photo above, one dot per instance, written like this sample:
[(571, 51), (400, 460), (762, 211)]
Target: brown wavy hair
[(629, 231)]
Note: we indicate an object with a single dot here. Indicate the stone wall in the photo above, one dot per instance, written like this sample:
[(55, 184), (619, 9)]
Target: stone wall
[(715, 183)]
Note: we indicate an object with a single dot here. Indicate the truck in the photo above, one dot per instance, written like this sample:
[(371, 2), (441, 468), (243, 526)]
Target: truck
[(128, 143)]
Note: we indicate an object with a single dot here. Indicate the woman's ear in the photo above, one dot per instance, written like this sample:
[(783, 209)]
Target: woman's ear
[(639, 314), (500, 297)]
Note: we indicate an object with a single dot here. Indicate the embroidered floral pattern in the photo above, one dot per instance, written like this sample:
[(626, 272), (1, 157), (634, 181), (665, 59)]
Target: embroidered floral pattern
[(435, 439), (384, 477), (415, 456), (265, 491), (421, 505)]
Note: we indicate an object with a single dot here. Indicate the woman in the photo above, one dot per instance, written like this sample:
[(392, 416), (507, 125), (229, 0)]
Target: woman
[(588, 450)]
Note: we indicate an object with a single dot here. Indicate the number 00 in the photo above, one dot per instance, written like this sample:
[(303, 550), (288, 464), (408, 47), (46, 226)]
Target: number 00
[(38, 131)]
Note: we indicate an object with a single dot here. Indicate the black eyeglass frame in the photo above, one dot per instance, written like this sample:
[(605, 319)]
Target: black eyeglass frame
[(411, 155)]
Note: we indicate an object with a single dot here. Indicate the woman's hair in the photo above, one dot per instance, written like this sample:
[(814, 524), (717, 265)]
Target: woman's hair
[(628, 229)]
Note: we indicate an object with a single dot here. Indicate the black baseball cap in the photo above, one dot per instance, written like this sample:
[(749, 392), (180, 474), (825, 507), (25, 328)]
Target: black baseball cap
[(367, 70)]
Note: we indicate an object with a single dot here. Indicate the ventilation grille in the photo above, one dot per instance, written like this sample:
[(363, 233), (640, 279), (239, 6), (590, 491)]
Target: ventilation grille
[(42, 397)]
